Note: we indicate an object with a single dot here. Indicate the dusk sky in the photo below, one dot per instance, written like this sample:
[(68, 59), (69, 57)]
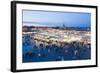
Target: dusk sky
[(49, 18)]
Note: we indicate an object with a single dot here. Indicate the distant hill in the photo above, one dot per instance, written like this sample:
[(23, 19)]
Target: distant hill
[(63, 28)]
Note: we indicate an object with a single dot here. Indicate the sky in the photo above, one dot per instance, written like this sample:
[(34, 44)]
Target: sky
[(54, 19)]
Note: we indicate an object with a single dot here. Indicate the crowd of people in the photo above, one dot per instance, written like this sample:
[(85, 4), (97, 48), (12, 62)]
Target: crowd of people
[(40, 52)]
